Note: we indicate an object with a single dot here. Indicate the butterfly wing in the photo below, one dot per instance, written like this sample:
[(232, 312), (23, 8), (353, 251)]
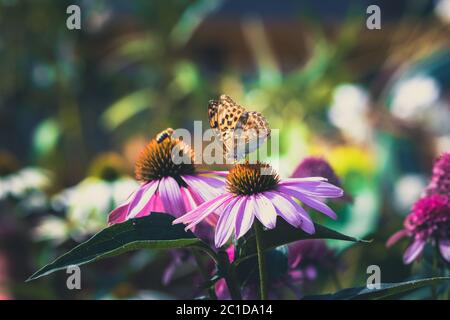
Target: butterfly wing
[(251, 132), (241, 132)]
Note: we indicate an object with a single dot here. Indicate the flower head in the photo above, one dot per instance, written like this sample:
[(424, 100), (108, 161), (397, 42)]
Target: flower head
[(254, 190), (429, 221), (168, 184), (440, 181)]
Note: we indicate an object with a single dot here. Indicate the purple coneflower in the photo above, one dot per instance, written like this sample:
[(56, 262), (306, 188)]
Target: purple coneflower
[(167, 186), (255, 190), (429, 221)]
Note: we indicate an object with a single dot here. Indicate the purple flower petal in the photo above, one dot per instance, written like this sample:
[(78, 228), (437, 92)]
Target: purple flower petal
[(245, 216), (118, 215), (142, 198), (226, 223), (291, 211), (215, 172), (444, 248), (265, 211), (202, 211), (309, 201), (206, 187), (314, 188), (413, 251), (396, 237), (171, 196)]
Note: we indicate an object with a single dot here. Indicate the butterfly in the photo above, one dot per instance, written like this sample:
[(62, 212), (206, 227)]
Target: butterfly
[(240, 131)]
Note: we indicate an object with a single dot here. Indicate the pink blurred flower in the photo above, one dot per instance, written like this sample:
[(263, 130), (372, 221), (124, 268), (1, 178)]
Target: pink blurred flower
[(254, 190), (440, 180), (429, 221), (167, 186)]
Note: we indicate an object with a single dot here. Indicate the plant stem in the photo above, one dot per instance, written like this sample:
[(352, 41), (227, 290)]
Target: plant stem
[(261, 260), (204, 273)]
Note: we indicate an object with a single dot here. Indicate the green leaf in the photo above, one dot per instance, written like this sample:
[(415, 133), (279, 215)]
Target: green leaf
[(386, 290), (284, 233), (154, 231)]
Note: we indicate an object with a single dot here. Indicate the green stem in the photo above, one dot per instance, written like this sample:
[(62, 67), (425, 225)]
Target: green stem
[(204, 273), (261, 260)]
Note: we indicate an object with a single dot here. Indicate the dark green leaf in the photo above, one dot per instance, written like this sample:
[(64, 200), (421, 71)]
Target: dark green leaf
[(284, 233), (154, 231), (386, 290)]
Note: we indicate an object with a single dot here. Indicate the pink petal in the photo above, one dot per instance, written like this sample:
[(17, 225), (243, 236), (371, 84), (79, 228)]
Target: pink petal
[(201, 212), (396, 237), (265, 212), (214, 172), (309, 201), (206, 187), (171, 197), (413, 251), (291, 211), (225, 225), (141, 202), (314, 188), (188, 199), (245, 216), (118, 215), (444, 248)]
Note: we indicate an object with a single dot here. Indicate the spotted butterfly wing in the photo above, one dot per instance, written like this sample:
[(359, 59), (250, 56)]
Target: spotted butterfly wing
[(240, 131)]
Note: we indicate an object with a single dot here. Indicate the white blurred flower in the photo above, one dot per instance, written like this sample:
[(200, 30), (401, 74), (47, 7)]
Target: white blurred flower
[(24, 182), (87, 205), (442, 10), (407, 190), (413, 96), (348, 112)]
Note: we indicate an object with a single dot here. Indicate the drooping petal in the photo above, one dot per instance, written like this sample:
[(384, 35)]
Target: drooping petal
[(118, 215), (206, 187), (202, 211), (142, 198), (413, 251), (309, 201), (396, 237), (171, 197), (265, 211), (154, 205), (444, 248), (291, 211), (245, 216), (226, 223), (188, 199)]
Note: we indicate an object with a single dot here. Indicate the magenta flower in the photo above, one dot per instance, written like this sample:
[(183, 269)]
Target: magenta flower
[(167, 186), (440, 180), (429, 221), (254, 190)]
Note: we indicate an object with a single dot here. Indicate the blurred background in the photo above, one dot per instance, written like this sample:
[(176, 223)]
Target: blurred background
[(76, 107)]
